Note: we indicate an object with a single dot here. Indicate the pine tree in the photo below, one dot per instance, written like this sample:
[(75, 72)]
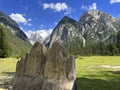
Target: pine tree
[(3, 44), (113, 49), (118, 41)]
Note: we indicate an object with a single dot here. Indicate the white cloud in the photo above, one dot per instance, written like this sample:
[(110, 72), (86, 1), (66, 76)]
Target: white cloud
[(57, 7), (29, 24), (84, 7), (21, 28), (43, 33), (94, 6), (29, 19), (68, 11), (19, 18), (114, 1), (41, 26), (56, 23), (90, 7)]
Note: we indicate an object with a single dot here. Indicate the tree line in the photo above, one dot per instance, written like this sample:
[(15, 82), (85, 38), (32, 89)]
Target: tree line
[(73, 47), (99, 48)]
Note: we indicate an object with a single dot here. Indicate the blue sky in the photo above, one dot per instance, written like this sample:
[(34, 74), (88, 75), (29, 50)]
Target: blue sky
[(36, 15)]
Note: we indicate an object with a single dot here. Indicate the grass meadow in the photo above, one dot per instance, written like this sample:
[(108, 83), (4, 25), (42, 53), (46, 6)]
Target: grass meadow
[(7, 66), (93, 72), (98, 73)]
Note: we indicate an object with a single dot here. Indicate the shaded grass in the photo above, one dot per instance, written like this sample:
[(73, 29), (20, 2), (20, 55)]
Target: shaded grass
[(90, 76)]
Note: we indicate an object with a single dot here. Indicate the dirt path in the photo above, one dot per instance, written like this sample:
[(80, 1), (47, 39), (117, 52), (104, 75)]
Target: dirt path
[(104, 66)]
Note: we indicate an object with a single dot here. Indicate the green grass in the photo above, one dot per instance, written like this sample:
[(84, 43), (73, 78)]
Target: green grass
[(91, 76), (7, 66)]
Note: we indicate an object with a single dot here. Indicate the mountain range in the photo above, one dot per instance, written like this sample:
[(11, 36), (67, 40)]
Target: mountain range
[(93, 26)]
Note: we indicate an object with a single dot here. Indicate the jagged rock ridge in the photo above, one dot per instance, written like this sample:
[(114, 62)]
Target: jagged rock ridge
[(45, 70)]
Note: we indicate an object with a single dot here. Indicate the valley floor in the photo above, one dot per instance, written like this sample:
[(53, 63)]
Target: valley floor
[(93, 72)]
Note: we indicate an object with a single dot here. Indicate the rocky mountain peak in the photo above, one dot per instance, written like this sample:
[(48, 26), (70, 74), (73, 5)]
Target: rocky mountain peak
[(67, 19), (66, 30), (97, 14)]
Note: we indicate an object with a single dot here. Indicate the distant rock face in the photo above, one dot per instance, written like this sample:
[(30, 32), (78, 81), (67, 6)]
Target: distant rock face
[(95, 25), (34, 37), (45, 70)]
